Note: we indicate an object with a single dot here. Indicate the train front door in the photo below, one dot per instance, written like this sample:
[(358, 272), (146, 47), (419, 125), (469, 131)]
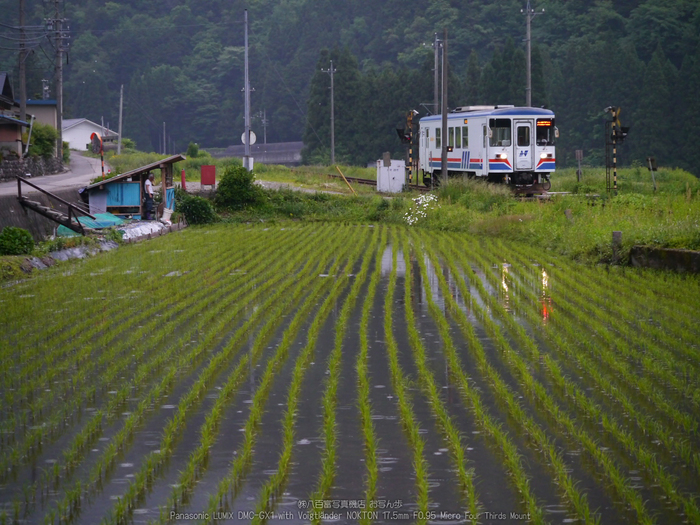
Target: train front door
[(523, 145)]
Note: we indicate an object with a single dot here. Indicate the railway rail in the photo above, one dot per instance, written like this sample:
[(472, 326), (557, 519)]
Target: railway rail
[(372, 182)]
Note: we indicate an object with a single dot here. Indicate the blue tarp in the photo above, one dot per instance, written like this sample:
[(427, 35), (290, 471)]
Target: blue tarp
[(102, 220)]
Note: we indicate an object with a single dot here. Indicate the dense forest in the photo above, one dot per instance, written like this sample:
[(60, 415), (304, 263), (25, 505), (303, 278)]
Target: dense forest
[(182, 63)]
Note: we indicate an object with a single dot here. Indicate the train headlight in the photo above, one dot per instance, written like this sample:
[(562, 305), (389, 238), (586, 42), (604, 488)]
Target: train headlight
[(543, 155), (501, 155)]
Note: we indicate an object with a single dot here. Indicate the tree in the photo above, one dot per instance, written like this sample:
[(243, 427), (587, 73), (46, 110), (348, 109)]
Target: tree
[(689, 123), (652, 135), (471, 95), (43, 140)]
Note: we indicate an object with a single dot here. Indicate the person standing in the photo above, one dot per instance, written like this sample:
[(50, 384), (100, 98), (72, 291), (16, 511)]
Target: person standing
[(149, 197)]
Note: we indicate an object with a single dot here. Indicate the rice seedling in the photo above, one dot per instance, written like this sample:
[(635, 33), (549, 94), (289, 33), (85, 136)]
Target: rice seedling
[(43, 400), (195, 394), (116, 368), (243, 455), (628, 336), (363, 400), (199, 456), (330, 397), (274, 486), (601, 382), (582, 402), (620, 374), (483, 419), (640, 452), (451, 436), (111, 452), (399, 383)]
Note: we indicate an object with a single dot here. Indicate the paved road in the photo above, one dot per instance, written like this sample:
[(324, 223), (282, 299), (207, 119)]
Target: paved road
[(80, 171)]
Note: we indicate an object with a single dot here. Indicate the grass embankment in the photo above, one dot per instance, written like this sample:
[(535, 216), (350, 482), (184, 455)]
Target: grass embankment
[(578, 224), (313, 177)]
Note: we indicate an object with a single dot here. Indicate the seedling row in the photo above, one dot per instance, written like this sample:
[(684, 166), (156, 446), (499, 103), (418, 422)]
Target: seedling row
[(506, 367)]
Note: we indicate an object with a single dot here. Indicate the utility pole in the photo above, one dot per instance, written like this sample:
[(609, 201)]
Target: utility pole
[(331, 71), (163, 138), (436, 48), (121, 107), (264, 125), (57, 26), (443, 160), (246, 133), (529, 13), (22, 65)]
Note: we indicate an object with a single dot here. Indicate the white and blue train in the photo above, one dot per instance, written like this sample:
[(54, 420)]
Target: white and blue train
[(500, 143)]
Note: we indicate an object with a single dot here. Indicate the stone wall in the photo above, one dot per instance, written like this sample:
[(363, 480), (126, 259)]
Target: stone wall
[(37, 166)]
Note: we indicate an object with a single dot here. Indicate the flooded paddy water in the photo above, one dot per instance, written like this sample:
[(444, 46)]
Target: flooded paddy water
[(348, 374)]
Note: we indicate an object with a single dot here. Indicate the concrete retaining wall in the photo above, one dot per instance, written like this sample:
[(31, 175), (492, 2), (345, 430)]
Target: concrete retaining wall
[(12, 213), (682, 261)]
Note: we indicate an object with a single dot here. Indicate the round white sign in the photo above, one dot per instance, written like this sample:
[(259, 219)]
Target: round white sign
[(252, 137)]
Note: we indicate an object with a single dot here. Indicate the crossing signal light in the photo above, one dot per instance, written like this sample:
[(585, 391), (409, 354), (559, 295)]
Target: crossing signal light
[(405, 137), (619, 134)]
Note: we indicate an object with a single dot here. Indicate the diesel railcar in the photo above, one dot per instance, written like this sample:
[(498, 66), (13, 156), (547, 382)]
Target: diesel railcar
[(513, 145)]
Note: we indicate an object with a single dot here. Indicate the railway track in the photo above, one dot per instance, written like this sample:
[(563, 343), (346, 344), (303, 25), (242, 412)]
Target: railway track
[(372, 182)]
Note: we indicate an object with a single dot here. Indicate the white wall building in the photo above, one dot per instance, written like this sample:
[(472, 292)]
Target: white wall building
[(77, 132)]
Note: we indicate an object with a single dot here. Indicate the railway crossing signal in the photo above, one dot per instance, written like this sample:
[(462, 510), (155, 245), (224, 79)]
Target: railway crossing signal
[(615, 133)]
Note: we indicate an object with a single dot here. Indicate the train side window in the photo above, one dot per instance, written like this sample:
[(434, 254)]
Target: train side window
[(500, 132), (523, 135), (458, 137), (465, 137), (545, 132), (451, 137), (438, 142), (484, 128)]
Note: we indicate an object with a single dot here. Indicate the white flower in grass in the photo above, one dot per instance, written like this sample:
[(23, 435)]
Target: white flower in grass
[(420, 209)]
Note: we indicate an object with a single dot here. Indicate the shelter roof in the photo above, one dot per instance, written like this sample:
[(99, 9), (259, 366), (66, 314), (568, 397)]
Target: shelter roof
[(4, 119), (138, 171), (40, 102)]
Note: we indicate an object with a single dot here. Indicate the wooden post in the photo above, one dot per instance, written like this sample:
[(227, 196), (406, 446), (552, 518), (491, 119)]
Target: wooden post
[(163, 175), (579, 158), (616, 246)]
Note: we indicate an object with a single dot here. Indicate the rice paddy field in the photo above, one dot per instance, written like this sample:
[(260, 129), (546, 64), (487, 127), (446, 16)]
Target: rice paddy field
[(330, 373)]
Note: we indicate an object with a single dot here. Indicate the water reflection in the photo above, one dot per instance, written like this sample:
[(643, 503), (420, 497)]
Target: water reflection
[(387, 262), (505, 268), (546, 299)]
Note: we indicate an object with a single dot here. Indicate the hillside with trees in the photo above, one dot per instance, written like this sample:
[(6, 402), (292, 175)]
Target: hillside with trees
[(182, 63)]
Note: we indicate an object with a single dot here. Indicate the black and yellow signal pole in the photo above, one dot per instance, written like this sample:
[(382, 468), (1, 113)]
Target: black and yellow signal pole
[(617, 136), (409, 136), (616, 122)]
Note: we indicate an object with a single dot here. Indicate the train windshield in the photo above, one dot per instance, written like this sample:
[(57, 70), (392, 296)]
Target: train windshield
[(545, 132), (500, 132)]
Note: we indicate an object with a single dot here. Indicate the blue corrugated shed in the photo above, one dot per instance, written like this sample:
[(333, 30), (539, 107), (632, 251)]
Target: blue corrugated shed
[(123, 195)]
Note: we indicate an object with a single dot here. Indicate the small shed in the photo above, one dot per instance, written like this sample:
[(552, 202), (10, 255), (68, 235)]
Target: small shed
[(124, 194)]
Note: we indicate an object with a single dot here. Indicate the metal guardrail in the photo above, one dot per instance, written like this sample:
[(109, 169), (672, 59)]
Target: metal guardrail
[(73, 209)]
